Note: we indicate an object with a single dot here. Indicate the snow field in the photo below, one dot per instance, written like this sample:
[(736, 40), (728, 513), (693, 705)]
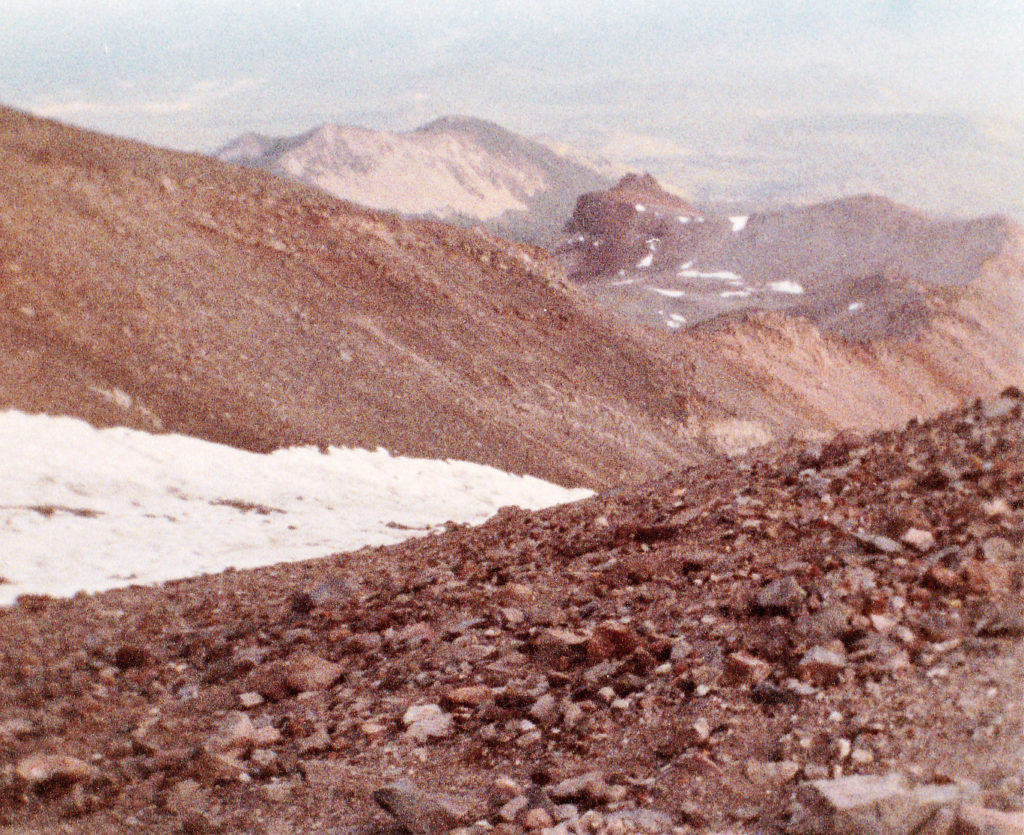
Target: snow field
[(90, 509)]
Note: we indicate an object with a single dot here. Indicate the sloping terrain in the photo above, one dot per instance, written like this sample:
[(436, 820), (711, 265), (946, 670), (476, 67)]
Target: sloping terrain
[(852, 313), (714, 651), (159, 290), (457, 169)]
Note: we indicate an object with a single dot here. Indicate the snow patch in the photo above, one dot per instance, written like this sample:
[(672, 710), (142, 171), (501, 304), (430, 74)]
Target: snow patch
[(738, 222), (729, 294), (640, 207), (646, 261), (91, 509), (785, 287), (672, 294), (721, 275), (853, 307)]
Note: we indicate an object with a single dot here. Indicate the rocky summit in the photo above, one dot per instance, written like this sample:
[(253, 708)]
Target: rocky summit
[(811, 638)]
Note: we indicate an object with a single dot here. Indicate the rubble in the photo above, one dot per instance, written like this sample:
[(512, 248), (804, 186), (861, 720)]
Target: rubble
[(719, 675)]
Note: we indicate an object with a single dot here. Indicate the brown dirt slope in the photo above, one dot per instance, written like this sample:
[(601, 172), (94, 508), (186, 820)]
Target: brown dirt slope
[(163, 290), (709, 642)]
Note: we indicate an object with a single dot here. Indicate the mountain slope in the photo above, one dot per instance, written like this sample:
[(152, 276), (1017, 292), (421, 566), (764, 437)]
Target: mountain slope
[(156, 289), (456, 169), (858, 312), (709, 644)]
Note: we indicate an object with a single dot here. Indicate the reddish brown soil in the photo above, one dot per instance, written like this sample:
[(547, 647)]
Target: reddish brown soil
[(161, 290), (666, 587)]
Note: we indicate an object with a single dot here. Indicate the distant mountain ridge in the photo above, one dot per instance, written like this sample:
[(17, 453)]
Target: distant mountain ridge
[(848, 312), (456, 168)]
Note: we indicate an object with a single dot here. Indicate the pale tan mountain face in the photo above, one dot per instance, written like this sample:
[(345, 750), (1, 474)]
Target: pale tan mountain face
[(857, 313), (455, 169)]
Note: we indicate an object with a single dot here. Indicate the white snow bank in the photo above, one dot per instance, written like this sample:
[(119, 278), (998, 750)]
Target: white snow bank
[(853, 307), (785, 287), (738, 222), (646, 261), (89, 509), (672, 294)]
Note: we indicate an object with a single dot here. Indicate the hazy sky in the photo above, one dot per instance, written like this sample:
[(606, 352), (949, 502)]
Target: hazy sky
[(748, 102), (194, 73)]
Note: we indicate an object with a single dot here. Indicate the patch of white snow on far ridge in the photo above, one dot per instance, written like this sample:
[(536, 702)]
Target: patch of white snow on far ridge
[(646, 261), (738, 222), (785, 287), (721, 275), (640, 207), (730, 294), (672, 294), (91, 509), (853, 307)]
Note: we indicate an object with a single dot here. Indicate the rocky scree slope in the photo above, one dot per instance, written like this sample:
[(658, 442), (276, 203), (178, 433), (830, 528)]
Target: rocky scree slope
[(719, 650), (457, 169), (857, 313), (161, 290)]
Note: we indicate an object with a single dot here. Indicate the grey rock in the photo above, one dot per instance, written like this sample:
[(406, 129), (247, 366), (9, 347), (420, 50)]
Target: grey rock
[(872, 805), (423, 813), (781, 595)]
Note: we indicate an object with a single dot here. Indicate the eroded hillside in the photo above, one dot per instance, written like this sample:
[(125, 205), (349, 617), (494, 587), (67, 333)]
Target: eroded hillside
[(162, 290)]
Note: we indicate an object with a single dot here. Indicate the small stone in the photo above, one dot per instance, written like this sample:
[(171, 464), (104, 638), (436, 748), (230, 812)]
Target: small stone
[(235, 733), (561, 649), (503, 789), (986, 577), (697, 762), (872, 805), (590, 788), (861, 756), (780, 596), (307, 671), (998, 548), (572, 714), (877, 544), (423, 813), (184, 796), (918, 539), (544, 709), (976, 820), (372, 730), (250, 700), (770, 773), (537, 818), (942, 578), (609, 641), (743, 668), (470, 696), (16, 728), (41, 769), (511, 810), (423, 722), (820, 666)]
